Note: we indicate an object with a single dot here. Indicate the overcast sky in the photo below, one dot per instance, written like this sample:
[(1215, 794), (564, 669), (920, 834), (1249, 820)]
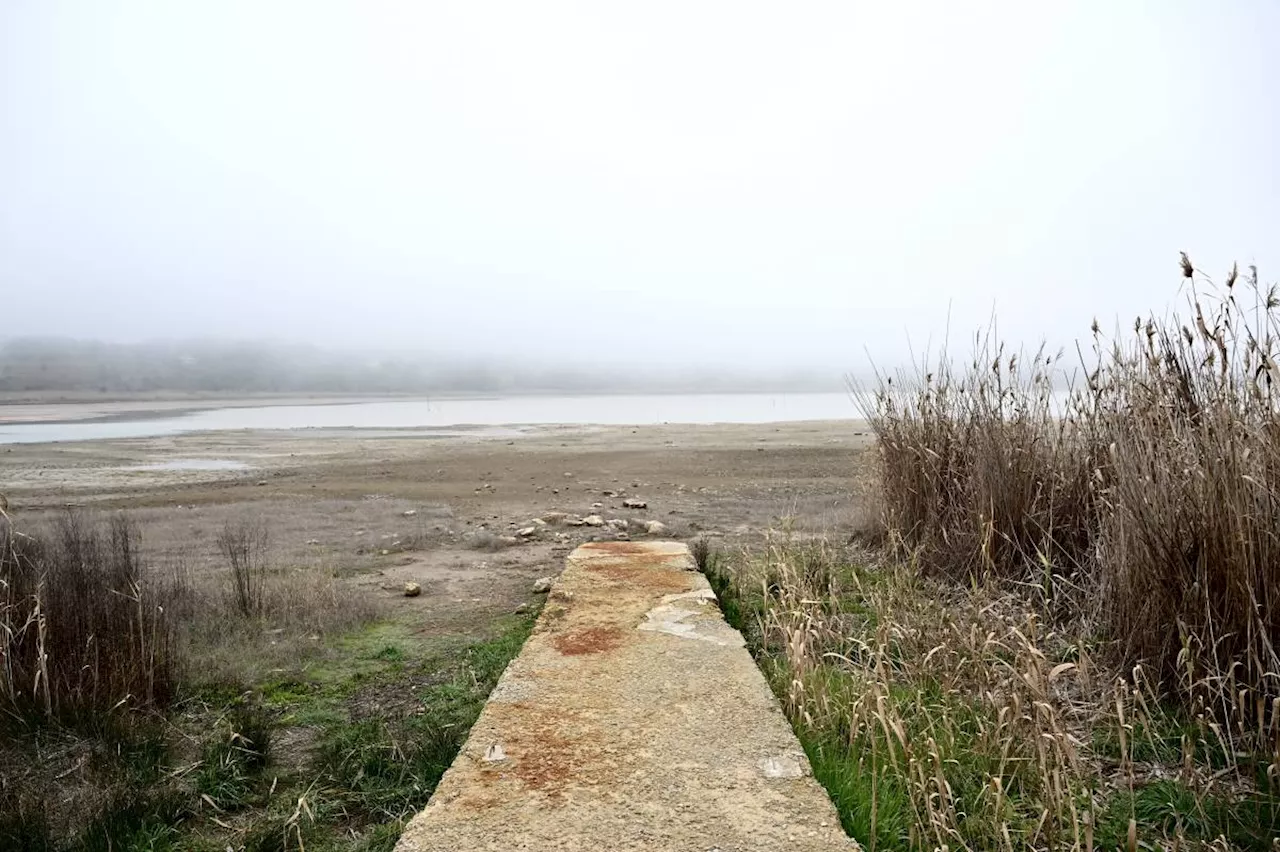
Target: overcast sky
[(772, 183)]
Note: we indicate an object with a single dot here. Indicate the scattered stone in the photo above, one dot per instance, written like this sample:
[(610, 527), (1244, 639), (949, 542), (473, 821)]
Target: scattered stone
[(526, 532), (597, 505), (554, 518), (633, 503), (574, 522), (261, 482), (412, 590), (621, 536), (508, 540), (593, 521), (537, 522), (313, 541), (409, 513), (655, 527), (523, 608), (619, 524), (384, 552), (608, 493), (542, 585), (568, 476)]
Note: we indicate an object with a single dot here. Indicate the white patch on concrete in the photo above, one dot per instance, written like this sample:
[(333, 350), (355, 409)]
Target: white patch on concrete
[(495, 753), (782, 766), (677, 615)]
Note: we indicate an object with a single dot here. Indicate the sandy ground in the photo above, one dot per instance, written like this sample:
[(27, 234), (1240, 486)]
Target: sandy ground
[(382, 508)]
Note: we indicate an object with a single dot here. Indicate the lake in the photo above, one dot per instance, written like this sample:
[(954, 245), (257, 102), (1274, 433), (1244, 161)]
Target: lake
[(439, 413)]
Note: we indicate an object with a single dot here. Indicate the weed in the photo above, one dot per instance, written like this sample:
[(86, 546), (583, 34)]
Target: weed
[(244, 546), (939, 715), (233, 759), (83, 629)]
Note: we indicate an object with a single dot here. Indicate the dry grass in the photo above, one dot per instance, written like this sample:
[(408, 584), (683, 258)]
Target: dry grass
[(947, 716), (1147, 497), (1072, 640), (83, 629)]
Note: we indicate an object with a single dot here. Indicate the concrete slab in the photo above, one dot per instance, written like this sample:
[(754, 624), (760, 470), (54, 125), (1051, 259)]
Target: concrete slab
[(633, 719)]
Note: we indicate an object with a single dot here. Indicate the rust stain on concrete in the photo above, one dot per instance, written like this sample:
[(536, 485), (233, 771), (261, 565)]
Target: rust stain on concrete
[(588, 640)]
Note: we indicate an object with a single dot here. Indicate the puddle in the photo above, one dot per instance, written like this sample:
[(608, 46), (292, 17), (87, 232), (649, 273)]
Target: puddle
[(192, 464)]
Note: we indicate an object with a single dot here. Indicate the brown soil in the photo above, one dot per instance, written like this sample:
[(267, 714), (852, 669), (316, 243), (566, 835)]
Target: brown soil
[(384, 510)]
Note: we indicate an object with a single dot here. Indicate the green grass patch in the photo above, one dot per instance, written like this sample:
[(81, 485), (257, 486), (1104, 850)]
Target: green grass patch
[(358, 775)]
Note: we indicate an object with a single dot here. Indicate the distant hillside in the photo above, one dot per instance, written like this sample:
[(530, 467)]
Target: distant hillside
[(41, 365)]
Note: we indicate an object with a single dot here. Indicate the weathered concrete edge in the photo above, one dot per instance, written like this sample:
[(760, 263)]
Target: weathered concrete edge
[(693, 614)]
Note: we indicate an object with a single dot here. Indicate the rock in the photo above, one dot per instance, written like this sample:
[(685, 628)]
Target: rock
[(412, 590), (593, 521), (655, 527), (537, 522), (618, 524), (542, 585), (261, 482), (522, 609), (621, 536), (526, 532), (508, 540), (554, 518), (608, 494), (597, 505), (409, 513), (633, 503), (574, 522), (313, 541)]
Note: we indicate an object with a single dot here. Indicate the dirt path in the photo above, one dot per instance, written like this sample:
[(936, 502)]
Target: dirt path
[(633, 719)]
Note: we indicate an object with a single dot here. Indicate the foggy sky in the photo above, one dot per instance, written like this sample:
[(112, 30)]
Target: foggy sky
[(649, 182)]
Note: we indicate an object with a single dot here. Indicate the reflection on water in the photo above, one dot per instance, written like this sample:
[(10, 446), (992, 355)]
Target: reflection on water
[(496, 411)]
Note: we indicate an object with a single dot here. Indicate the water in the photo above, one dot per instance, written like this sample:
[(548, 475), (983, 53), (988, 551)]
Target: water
[(437, 413)]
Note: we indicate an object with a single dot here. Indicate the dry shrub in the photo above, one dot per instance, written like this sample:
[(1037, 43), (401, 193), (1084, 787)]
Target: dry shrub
[(941, 715), (243, 544), (83, 629), (1152, 489), (979, 474)]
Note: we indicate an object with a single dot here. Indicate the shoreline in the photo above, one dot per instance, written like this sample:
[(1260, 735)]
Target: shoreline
[(164, 403)]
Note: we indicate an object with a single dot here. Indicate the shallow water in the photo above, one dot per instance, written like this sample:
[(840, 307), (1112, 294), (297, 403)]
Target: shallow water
[(436, 413)]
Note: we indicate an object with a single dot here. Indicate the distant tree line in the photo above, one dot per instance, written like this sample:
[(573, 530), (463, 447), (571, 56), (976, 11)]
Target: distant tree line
[(217, 367)]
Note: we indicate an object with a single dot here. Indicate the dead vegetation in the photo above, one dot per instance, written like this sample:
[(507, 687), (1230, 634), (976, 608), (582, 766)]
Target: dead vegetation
[(1068, 639)]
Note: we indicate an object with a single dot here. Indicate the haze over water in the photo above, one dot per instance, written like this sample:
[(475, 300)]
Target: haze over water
[(436, 413)]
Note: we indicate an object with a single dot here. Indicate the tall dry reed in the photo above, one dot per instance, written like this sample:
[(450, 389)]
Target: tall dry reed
[(83, 630), (1145, 494)]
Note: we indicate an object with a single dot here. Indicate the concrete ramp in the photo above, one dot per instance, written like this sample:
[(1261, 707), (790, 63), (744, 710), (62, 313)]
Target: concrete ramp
[(633, 719)]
